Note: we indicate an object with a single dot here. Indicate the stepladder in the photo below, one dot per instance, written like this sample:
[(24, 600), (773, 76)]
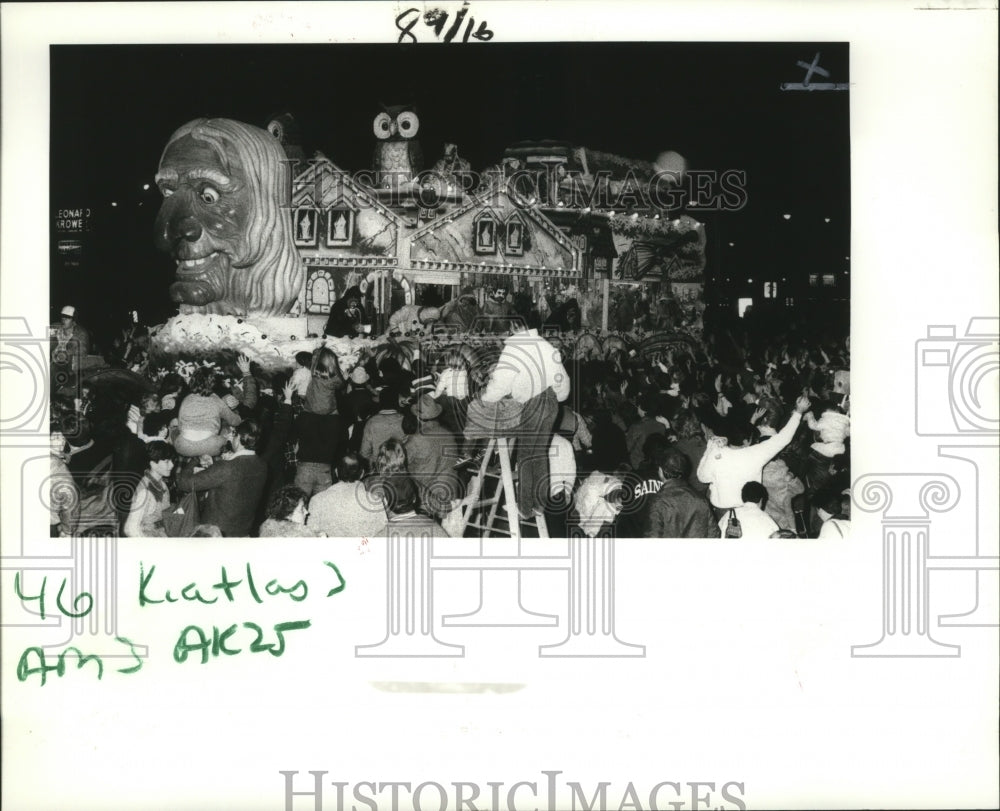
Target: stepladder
[(491, 502)]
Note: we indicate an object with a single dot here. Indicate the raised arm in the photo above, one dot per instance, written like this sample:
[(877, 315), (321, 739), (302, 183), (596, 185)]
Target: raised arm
[(770, 448), (207, 479)]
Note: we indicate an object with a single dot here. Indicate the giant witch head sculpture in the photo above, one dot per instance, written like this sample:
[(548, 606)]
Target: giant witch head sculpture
[(222, 221)]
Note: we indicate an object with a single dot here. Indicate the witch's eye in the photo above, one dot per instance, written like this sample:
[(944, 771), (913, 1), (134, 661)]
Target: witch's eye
[(209, 195)]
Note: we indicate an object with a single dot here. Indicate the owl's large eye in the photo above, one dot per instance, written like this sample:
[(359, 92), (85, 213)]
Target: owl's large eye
[(276, 130), (382, 126), (408, 124)]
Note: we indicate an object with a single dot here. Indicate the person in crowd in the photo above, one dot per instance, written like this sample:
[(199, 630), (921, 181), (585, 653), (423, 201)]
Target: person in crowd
[(302, 374), (677, 510), (129, 459), (727, 465), (564, 318), (171, 391), (832, 430), (461, 312), (580, 436), (386, 424), (389, 460), (273, 445), (691, 442), (346, 316), (64, 496), (399, 495), (609, 450), (287, 512), (835, 513), (647, 424), (243, 387), (360, 397), (754, 523), (233, 486), (85, 454), (452, 391), (431, 453), (640, 486), (85, 402), (562, 477), (156, 427), (319, 429), (345, 509), (530, 372), (393, 375), (201, 417), (326, 382), (70, 343), (152, 495)]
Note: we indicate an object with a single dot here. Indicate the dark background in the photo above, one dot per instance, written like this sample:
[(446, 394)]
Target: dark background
[(718, 104)]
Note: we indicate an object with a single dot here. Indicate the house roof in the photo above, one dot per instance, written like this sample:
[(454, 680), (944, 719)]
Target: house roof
[(304, 180), (531, 213)]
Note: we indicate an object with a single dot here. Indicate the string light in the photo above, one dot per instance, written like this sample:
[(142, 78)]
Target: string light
[(787, 216)]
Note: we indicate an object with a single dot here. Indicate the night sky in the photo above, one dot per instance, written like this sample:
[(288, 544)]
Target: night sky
[(718, 104)]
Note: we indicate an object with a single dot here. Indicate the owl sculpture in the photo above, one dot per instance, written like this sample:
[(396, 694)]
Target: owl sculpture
[(398, 158), (285, 128)]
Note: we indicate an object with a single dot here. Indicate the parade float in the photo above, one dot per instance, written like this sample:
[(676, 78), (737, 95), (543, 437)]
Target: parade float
[(262, 262)]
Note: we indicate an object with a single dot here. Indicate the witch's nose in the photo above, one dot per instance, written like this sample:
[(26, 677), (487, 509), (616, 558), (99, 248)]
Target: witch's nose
[(186, 228), (175, 225)]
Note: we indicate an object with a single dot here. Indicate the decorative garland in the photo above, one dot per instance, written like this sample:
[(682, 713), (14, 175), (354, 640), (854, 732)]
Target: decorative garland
[(197, 335), (641, 227)]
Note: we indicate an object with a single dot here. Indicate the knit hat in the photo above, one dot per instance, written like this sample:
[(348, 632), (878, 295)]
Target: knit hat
[(68, 311), (425, 383), (467, 292), (359, 376)]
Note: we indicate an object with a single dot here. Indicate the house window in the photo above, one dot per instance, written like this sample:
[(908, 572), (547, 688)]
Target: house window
[(339, 227), (828, 280), (770, 289), (813, 279)]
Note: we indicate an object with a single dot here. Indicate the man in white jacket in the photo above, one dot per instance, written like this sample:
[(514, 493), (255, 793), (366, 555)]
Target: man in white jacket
[(530, 371), (727, 466)]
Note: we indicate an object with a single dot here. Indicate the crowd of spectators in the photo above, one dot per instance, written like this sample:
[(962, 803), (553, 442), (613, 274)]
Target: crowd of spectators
[(734, 431)]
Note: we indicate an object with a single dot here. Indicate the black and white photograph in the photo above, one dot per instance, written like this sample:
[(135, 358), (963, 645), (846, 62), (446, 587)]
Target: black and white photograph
[(481, 405), (703, 411)]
